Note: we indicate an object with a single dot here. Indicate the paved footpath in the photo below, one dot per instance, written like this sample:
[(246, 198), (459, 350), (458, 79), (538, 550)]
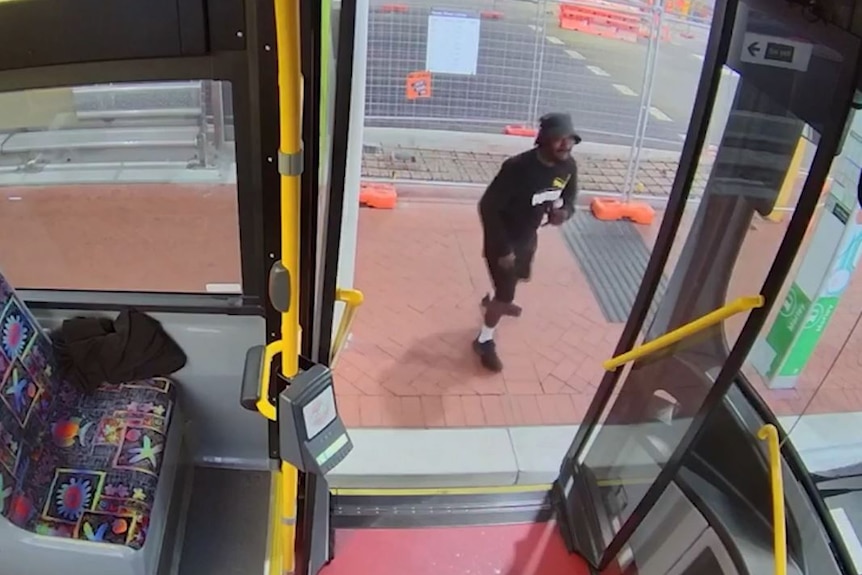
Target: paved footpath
[(597, 172)]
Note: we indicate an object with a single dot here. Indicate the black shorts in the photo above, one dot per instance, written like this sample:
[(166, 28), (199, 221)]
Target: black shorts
[(506, 280)]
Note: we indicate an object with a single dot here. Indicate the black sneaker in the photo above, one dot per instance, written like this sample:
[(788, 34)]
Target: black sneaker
[(512, 310), (487, 352)]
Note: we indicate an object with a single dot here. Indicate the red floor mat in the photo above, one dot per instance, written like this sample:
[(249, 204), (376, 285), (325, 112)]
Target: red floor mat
[(531, 549)]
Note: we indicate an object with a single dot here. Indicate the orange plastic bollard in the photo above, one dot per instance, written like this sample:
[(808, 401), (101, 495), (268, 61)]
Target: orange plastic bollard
[(380, 196), (516, 130), (492, 15), (393, 8), (613, 210)]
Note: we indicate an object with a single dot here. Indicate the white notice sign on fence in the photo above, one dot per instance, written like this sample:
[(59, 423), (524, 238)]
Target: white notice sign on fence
[(453, 42)]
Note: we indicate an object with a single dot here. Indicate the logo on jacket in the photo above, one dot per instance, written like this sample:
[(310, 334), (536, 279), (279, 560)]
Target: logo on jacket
[(551, 194)]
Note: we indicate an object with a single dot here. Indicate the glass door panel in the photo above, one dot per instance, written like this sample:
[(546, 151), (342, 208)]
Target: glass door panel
[(786, 81)]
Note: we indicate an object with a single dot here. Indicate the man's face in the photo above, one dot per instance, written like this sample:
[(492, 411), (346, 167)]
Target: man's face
[(561, 148)]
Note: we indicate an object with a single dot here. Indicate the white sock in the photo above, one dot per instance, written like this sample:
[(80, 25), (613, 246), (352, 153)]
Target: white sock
[(487, 334)]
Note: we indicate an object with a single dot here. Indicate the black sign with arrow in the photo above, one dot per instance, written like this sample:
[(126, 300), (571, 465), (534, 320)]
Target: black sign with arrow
[(754, 48), (774, 51)]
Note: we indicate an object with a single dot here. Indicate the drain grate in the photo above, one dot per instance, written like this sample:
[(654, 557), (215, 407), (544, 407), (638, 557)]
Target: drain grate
[(613, 256)]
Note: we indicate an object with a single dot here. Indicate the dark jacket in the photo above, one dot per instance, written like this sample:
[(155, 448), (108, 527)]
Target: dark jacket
[(520, 196), (91, 351)]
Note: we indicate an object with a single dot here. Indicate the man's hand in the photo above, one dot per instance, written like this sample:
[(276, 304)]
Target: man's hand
[(558, 216), (507, 262)]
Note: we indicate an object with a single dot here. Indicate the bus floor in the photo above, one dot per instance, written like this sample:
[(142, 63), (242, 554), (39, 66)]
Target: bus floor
[(525, 549)]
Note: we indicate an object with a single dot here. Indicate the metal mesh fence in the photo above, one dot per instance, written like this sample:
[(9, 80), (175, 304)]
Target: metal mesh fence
[(587, 59), (502, 91)]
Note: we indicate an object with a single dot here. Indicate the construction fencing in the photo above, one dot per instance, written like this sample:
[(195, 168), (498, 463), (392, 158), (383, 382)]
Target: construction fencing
[(510, 61), (484, 66)]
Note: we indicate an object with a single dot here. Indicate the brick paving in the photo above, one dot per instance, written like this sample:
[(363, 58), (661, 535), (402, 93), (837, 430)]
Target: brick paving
[(409, 362), (596, 173)]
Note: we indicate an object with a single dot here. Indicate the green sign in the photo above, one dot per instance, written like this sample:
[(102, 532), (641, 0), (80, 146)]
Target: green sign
[(780, 338), (823, 275), (796, 331), (783, 353)]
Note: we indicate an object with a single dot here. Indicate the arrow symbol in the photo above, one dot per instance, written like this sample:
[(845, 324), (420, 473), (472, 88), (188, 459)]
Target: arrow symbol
[(754, 48)]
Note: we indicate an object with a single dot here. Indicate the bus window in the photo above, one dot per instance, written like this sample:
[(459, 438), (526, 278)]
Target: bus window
[(120, 187)]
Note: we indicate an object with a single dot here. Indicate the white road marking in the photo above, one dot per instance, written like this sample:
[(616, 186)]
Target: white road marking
[(534, 28), (659, 115), (575, 54), (554, 40), (698, 56), (681, 137), (625, 90), (597, 71)]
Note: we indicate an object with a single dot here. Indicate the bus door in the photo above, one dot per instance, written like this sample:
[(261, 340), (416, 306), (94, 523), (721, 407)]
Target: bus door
[(792, 78)]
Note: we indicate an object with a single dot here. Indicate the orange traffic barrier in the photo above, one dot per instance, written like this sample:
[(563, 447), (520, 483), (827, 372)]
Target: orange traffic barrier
[(518, 130), (619, 23), (380, 196), (612, 210), (492, 15), (602, 19), (393, 8)]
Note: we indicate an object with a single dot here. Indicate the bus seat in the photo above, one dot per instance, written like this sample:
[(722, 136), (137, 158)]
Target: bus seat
[(84, 467)]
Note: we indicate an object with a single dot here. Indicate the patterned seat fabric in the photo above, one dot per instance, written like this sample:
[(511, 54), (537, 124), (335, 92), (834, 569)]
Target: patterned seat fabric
[(74, 465)]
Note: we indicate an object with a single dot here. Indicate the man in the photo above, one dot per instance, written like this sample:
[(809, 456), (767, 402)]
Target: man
[(530, 187)]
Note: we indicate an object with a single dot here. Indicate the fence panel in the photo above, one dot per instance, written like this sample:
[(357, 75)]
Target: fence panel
[(501, 92), (586, 58)]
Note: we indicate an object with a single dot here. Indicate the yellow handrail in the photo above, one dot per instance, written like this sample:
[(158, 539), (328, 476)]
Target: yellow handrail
[(288, 52), (352, 300), (738, 305), (769, 433), (290, 146), (264, 405)]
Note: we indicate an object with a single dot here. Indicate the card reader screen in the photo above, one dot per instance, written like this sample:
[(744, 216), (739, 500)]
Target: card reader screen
[(319, 412)]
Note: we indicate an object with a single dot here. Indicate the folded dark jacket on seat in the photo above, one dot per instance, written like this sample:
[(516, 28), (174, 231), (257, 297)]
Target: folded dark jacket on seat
[(91, 351)]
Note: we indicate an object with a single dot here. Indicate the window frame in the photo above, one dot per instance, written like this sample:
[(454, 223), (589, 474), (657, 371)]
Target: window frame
[(258, 237)]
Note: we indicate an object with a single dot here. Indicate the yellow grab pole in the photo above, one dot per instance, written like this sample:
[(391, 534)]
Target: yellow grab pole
[(789, 182), (288, 50), (769, 433), (736, 306), (290, 149), (287, 513), (275, 539)]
